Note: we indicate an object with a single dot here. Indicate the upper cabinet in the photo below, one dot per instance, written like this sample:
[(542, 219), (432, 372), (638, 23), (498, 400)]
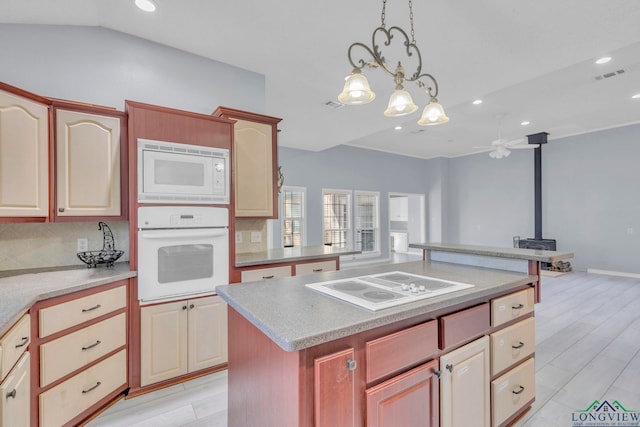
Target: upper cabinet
[(24, 156), (90, 152), (255, 163)]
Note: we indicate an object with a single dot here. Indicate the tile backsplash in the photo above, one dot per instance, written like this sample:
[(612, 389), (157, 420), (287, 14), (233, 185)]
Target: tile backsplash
[(244, 228), (31, 245)]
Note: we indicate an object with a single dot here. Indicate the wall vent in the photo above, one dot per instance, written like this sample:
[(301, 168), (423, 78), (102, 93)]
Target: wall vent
[(610, 74), (334, 104)]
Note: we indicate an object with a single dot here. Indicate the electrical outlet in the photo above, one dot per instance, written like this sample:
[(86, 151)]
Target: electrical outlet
[(83, 244), (629, 230), (256, 237), (238, 236)]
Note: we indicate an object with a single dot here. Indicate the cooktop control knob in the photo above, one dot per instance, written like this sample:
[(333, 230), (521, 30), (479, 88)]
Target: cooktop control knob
[(405, 287), (422, 288)]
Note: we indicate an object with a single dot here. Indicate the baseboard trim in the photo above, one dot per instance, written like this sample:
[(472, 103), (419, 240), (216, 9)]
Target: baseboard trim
[(613, 273)]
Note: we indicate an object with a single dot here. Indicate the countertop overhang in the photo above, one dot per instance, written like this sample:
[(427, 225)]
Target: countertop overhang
[(296, 317), (274, 256), (19, 292), (512, 253)]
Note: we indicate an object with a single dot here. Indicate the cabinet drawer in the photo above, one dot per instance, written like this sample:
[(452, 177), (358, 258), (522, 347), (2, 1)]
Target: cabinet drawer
[(463, 325), (15, 392), (315, 267), (511, 306), (13, 344), (73, 396), (512, 392), (512, 344), (70, 352), (265, 273), (401, 350), (62, 316)]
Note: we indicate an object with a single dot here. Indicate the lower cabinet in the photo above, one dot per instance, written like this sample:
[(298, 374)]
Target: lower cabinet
[(182, 337), (410, 399), (15, 395), (464, 396), (334, 389)]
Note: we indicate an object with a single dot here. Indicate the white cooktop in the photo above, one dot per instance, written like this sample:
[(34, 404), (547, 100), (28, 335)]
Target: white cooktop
[(379, 291)]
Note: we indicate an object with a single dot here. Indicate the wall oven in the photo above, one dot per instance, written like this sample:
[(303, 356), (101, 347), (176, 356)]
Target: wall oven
[(183, 251), (170, 172)]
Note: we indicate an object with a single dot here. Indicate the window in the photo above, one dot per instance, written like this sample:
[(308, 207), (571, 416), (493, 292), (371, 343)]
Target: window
[(293, 216), (336, 211), (366, 221)]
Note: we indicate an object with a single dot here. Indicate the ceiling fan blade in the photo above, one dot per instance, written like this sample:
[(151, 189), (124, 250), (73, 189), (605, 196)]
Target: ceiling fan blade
[(523, 146), (512, 142)]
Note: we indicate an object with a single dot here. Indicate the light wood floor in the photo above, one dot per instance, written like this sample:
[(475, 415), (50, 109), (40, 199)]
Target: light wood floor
[(588, 348)]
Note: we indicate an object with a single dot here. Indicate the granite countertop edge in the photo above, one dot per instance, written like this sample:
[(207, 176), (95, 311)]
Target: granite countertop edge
[(19, 292), (277, 332), (512, 253), (275, 256)]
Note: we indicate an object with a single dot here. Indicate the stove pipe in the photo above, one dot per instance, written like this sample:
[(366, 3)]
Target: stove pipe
[(539, 139)]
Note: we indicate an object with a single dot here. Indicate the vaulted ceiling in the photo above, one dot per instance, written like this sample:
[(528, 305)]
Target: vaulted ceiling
[(527, 60)]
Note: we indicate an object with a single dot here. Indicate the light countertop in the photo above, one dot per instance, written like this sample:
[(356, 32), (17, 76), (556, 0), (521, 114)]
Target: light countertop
[(19, 292), (296, 317), (512, 253), (274, 256)]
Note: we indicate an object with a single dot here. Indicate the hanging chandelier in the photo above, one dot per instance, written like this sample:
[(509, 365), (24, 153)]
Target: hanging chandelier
[(356, 87)]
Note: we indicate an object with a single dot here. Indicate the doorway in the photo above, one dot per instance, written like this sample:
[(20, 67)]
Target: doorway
[(406, 224)]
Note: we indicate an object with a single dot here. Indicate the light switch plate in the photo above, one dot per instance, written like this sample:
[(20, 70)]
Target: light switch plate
[(256, 237), (238, 236), (83, 244)]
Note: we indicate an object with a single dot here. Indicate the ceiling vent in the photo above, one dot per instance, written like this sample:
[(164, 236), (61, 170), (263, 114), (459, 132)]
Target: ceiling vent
[(415, 132), (334, 104), (610, 74)]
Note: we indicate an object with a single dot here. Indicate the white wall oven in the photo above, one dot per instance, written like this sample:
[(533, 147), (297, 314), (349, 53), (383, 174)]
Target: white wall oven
[(170, 172), (183, 251)]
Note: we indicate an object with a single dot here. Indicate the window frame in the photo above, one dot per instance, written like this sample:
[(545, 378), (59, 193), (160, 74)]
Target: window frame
[(376, 226), (349, 217), (303, 217)]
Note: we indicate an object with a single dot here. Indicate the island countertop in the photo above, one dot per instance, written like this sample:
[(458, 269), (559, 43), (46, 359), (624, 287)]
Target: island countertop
[(19, 292), (296, 317), (512, 253), (274, 256)]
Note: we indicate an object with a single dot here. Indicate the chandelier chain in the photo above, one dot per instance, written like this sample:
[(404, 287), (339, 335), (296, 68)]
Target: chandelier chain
[(384, 12), (413, 34)]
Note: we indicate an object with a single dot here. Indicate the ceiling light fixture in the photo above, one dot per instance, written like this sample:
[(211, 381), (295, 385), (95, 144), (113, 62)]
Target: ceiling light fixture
[(477, 102), (636, 96), (398, 128), (525, 123), (146, 5), (603, 60), (356, 87)]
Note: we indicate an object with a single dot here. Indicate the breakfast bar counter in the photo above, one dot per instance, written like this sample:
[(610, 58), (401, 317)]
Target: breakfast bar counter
[(275, 256)]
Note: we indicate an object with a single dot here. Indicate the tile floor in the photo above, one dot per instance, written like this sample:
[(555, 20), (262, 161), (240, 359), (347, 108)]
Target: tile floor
[(588, 348)]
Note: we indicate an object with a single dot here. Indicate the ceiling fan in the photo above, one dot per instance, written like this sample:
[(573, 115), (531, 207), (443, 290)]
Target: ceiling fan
[(501, 148)]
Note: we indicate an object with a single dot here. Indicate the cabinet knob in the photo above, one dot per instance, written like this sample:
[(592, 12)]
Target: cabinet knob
[(184, 307), (60, 209), (437, 373), (351, 365), (449, 368), (12, 394), (191, 306)]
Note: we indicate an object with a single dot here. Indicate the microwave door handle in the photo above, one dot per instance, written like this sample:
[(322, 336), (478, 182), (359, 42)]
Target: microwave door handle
[(184, 233)]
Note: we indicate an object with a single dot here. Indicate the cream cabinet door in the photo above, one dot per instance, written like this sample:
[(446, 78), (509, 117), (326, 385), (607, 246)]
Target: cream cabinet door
[(24, 157), (163, 342), (207, 333), (253, 169), (88, 164), (464, 387), (15, 393)]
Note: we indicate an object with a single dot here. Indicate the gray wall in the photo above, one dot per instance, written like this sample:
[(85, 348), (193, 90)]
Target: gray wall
[(101, 66), (590, 198), (351, 168)]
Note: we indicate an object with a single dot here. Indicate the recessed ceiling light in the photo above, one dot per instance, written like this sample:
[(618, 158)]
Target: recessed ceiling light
[(526, 122), (146, 5), (477, 102), (398, 128), (603, 60), (636, 96)]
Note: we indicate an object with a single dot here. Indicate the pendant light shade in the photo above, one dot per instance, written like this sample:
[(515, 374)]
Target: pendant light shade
[(400, 103), (356, 90), (433, 114), (146, 5)]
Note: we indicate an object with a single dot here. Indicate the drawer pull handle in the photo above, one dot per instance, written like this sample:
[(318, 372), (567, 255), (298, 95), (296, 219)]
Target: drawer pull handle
[(449, 368), (517, 307), (12, 394), (25, 341), (317, 270), (90, 389), (95, 344), (268, 277), (351, 365), (519, 391), (515, 347), (95, 307), (184, 307)]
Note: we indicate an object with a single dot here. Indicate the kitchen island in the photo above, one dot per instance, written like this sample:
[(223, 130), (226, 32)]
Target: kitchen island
[(301, 358)]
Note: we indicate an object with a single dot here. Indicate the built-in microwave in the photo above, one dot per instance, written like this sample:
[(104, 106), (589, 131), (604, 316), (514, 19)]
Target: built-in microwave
[(170, 172)]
